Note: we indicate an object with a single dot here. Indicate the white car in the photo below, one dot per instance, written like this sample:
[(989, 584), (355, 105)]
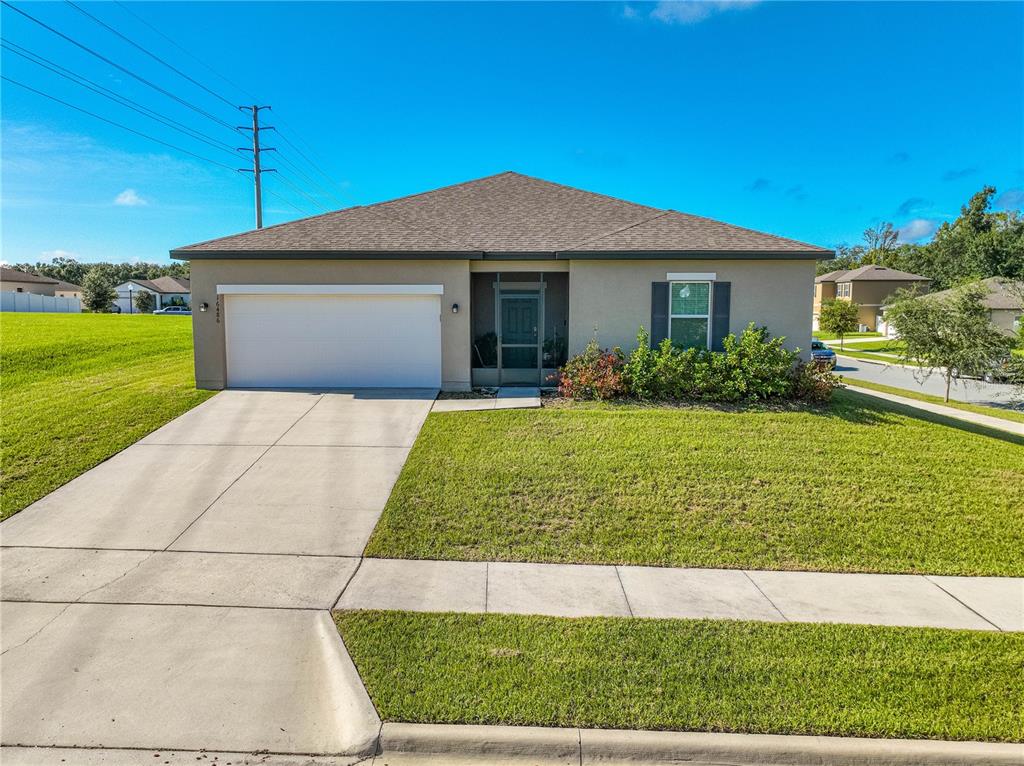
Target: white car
[(181, 311)]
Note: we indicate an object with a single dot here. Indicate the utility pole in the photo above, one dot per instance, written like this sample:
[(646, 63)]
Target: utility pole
[(256, 168)]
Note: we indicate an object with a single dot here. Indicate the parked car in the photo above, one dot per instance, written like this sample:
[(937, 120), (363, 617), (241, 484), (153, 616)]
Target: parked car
[(1006, 370), (822, 355), (181, 311)]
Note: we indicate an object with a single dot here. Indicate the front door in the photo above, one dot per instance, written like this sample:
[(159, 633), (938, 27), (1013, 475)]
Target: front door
[(519, 339)]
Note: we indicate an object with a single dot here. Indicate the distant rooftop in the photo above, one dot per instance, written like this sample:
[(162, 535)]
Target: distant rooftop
[(871, 273)]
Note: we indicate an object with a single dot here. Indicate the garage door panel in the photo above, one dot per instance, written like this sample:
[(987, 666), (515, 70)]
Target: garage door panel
[(337, 341)]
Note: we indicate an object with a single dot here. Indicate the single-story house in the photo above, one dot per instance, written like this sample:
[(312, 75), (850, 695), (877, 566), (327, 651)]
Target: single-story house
[(166, 291), (1004, 301), (489, 282), (68, 290), (868, 286), (14, 281)]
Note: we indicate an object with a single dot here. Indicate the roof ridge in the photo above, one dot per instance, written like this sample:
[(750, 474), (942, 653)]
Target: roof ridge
[(599, 237), (752, 231), (587, 191), (443, 188)]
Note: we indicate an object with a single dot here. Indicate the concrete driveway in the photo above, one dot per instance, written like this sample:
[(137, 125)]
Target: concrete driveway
[(176, 596)]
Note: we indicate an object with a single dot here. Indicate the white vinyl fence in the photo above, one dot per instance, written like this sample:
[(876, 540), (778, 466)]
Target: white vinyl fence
[(32, 302)]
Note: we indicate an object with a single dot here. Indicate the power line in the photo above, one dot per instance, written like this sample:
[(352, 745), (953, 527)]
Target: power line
[(303, 154), (297, 189), (245, 92), (85, 82), (285, 200), (117, 124), (147, 52), (187, 52), (103, 58), (310, 181)]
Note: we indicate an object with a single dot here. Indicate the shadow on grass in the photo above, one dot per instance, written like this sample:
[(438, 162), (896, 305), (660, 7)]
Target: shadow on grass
[(851, 406), (865, 409)]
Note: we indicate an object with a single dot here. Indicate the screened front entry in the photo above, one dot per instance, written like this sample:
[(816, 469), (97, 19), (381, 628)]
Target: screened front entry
[(520, 325)]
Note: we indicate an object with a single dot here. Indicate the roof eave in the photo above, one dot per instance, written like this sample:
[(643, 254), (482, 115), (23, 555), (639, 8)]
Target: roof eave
[(185, 254), (682, 255)]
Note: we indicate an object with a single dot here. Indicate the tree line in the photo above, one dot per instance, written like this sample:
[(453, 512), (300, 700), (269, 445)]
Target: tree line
[(75, 272), (980, 243)]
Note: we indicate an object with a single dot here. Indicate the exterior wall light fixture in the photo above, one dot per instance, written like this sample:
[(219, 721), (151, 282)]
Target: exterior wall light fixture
[(455, 308)]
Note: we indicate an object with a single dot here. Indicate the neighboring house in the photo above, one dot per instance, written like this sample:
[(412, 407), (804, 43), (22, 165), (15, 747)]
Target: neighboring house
[(488, 282), (68, 290), (868, 286), (1005, 302), (166, 291), (14, 281)]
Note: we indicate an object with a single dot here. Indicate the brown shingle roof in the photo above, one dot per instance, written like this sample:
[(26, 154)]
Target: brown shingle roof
[(1000, 295), (873, 273), (164, 284), (69, 287), (13, 275), (504, 213), (832, 276)]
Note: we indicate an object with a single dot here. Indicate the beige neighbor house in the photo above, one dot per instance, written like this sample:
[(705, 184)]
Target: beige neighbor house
[(14, 281), (1005, 302), (867, 286), (490, 282), (68, 290)]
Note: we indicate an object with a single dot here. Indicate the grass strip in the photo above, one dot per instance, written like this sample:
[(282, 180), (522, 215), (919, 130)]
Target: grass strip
[(78, 388), (1016, 415), (691, 675)]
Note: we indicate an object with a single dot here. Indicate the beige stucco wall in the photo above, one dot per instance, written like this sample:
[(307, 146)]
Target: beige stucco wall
[(39, 288), (613, 298), (209, 333), (1003, 319), (877, 293), (823, 291), (68, 294)]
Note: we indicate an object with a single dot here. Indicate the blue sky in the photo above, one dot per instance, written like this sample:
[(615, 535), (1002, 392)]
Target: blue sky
[(810, 120)]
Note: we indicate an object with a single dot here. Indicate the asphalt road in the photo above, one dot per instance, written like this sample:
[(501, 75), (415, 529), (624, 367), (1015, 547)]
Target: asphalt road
[(975, 391)]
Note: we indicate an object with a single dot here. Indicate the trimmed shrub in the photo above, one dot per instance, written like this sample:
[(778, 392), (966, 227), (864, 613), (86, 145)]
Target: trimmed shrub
[(594, 374), (752, 367)]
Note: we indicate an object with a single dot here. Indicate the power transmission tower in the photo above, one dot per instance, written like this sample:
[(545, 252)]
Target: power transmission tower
[(256, 150)]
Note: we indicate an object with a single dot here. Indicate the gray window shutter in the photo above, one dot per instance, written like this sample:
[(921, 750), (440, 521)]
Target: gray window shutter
[(720, 314), (659, 312)]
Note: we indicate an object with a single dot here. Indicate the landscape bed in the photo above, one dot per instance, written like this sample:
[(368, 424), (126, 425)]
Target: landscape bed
[(692, 675), (855, 485), (78, 388)]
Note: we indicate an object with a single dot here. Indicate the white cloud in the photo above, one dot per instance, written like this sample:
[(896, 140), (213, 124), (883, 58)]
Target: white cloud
[(917, 229), (129, 198), (695, 11)]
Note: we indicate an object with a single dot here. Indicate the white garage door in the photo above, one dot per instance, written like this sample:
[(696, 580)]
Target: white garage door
[(333, 341)]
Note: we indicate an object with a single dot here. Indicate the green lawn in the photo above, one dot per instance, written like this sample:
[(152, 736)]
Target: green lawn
[(1016, 415), (888, 346), (832, 336), (693, 675), (853, 486), (873, 356), (77, 388)]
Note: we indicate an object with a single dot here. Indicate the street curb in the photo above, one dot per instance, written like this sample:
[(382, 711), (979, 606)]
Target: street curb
[(437, 743)]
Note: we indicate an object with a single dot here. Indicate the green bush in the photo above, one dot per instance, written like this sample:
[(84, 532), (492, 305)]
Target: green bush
[(752, 367)]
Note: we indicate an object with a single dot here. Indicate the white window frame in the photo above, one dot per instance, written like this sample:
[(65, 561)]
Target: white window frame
[(711, 298), (844, 290)]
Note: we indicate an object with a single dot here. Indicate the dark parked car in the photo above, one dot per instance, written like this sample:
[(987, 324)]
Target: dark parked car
[(822, 355)]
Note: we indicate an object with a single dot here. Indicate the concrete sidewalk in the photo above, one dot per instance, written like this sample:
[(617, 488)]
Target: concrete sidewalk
[(508, 398), (579, 590), (988, 421), (176, 596)]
